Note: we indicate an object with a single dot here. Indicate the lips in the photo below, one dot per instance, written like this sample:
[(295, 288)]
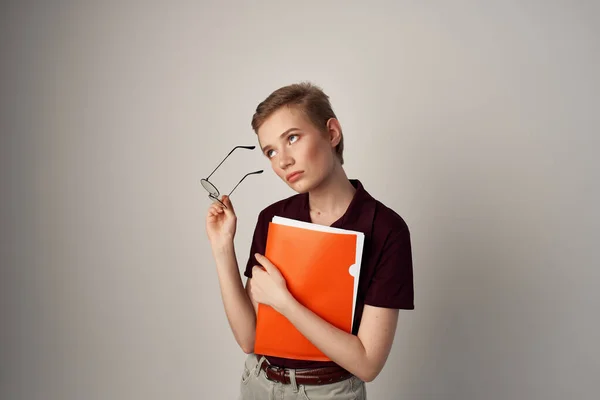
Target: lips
[(293, 176)]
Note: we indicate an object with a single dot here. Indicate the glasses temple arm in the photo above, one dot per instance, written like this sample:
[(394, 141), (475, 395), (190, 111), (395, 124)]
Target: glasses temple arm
[(236, 147), (249, 173)]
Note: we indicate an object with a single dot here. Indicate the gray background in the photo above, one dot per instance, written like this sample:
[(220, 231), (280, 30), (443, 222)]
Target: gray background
[(476, 121)]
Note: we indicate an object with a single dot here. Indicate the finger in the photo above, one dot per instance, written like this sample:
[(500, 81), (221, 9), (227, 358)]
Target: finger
[(256, 271), (217, 203), (214, 213), (227, 201), (216, 207), (264, 261), (211, 211)]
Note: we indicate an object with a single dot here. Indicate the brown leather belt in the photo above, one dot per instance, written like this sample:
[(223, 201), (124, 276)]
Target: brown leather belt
[(316, 376)]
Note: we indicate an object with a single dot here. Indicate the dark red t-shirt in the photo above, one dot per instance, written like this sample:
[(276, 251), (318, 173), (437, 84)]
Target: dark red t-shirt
[(386, 277)]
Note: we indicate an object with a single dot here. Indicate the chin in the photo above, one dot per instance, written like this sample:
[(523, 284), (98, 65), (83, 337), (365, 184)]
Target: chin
[(301, 186), (301, 191), (298, 188)]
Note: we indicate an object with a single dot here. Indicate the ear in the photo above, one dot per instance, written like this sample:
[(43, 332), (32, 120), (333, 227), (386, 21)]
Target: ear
[(334, 130)]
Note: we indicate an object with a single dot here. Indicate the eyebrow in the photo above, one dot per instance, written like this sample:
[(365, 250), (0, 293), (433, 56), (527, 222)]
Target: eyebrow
[(280, 136)]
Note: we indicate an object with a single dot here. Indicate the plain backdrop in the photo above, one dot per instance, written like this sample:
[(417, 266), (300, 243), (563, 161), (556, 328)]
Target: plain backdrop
[(476, 121)]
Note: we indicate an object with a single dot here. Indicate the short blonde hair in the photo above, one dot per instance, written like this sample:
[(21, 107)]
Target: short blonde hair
[(306, 97)]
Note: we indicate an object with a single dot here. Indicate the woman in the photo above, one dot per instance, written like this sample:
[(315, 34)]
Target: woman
[(300, 135)]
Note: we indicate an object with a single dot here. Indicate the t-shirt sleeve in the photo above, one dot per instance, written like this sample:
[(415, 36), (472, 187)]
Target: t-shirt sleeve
[(259, 243), (392, 284)]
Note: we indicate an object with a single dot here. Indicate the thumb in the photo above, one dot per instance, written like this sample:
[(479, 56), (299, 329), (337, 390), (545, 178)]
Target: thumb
[(225, 199), (266, 263)]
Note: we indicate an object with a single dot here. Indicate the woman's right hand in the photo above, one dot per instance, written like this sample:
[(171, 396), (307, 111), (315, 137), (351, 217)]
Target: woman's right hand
[(221, 223)]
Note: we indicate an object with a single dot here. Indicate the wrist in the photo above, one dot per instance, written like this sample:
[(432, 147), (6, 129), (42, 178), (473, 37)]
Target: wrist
[(222, 247), (288, 305)]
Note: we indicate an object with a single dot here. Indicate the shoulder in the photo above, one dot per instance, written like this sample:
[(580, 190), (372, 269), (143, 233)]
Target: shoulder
[(389, 221), (390, 230), (381, 219)]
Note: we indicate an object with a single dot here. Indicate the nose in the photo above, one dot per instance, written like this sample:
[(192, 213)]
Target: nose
[(285, 160)]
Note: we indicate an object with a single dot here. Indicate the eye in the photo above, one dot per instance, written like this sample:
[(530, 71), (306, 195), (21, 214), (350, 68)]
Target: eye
[(269, 153), (292, 136)]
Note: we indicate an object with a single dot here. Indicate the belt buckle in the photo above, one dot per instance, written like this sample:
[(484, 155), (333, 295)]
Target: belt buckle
[(279, 372)]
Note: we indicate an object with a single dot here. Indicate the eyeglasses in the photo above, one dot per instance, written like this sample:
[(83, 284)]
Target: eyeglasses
[(212, 190)]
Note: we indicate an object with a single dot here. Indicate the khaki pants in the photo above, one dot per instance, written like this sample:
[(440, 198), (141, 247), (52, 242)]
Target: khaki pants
[(256, 386)]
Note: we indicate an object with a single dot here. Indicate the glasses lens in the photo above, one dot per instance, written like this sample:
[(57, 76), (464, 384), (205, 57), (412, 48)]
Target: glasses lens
[(210, 188)]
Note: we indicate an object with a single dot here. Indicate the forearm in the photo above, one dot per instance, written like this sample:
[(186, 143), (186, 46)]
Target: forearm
[(238, 307), (341, 347)]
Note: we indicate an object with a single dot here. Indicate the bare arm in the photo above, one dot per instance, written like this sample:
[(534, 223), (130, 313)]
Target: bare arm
[(238, 306), (364, 355), (239, 309)]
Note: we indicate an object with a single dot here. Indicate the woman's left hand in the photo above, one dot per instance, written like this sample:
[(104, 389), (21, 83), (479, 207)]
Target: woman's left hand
[(268, 285)]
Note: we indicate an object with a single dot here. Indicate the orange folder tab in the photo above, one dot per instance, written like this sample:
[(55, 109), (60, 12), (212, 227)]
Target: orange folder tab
[(321, 266)]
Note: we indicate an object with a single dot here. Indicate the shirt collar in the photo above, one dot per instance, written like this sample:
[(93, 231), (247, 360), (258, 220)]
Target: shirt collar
[(360, 212)]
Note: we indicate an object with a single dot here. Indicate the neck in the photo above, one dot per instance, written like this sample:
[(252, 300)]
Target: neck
[(333, 196)]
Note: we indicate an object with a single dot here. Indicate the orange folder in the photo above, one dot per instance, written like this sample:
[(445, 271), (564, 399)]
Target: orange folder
[(321, 266)]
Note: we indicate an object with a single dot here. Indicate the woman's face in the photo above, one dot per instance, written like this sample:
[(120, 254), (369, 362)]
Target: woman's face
[(300, 154)]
